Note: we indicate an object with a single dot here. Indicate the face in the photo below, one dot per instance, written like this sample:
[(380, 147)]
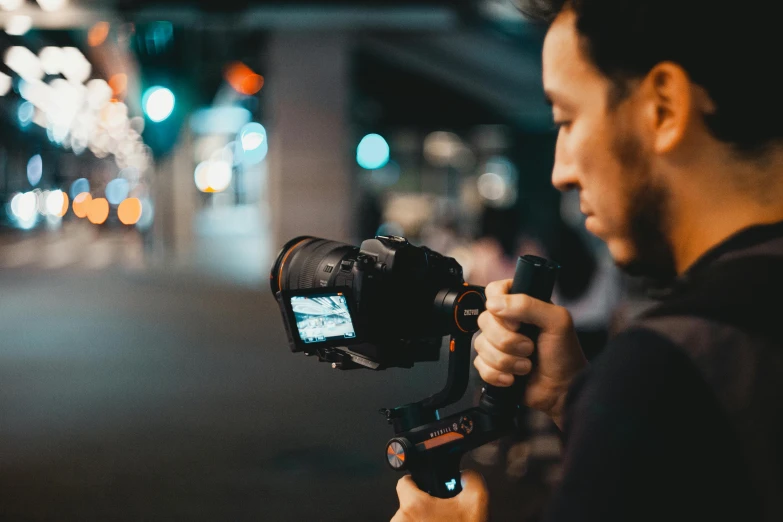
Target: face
[(602, 151)]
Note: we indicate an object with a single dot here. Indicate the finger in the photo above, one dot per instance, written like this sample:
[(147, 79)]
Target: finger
[(499, 360), (491, 375), (502, 289), (498, 288), (505, 340), (528, 310)]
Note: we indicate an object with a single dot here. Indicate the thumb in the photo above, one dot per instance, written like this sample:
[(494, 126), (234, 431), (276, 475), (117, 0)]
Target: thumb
[(474, 490), (472, 480), (408, 492)]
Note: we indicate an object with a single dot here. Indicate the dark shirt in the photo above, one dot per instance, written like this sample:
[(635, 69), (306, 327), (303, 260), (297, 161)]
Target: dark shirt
[(681, 417)]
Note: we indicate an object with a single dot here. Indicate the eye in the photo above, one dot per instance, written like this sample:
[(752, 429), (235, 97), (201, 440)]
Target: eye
[(562, 125)]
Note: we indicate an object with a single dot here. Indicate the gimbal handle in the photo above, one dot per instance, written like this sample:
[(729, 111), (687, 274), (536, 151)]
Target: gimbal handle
[(432, 448), (536, 277)]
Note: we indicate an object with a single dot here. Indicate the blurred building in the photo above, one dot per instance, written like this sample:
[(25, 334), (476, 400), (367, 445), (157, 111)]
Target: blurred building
[(201, 137)]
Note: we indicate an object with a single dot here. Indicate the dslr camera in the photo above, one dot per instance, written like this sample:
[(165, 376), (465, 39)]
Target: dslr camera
[(384, 304)]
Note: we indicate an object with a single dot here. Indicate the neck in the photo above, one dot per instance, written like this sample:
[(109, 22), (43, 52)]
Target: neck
[(716, 201)]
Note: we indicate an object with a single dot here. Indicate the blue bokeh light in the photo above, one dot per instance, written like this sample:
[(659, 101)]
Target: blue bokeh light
[(372, 152), (34, 170), (79, 186), (117, 190), (26, 113), (252, 143)]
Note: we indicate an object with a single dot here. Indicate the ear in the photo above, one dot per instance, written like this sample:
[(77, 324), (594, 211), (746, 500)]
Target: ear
[(671, 105)]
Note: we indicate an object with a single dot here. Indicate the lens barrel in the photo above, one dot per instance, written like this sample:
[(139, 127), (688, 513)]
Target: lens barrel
[(311, 262)]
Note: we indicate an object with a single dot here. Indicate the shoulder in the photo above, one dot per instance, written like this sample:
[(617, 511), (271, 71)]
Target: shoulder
[(640, 357), (641, 375)]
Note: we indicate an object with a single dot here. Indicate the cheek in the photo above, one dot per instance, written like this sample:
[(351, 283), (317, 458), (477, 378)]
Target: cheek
[(600, 174)]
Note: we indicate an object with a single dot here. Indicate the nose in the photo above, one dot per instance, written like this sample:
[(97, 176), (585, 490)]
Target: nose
[(564, 176)]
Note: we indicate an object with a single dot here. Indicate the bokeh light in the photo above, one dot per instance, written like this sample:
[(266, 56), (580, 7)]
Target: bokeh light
[(98, 211), (79, 186), (118, 83), (75, 67), (491, 186), (98, 93), (5, 84), (51, 59), (213, 176), (372, 152), (498, 184), (14, 205), (57, 203), (98, 34), (10, 5), (243, 80), (35, 169), (26, 206), (24, 62), (130, 211), (117, 190), (254, 143), (81, 204), (52, 5), (18, 25), (158, 103), (25, 113), (147, 214)]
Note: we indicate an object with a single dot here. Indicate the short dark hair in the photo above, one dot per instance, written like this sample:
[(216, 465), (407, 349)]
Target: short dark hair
[(729, 49)]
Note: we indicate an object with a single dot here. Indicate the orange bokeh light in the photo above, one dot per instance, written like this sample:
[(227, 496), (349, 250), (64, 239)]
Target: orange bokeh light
[(243, 79), (129, 211), (81, 204), (98, 34), (118, 83), (98, 211)]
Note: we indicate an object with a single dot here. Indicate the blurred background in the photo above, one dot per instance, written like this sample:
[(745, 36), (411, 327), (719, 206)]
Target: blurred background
[(155, 155)]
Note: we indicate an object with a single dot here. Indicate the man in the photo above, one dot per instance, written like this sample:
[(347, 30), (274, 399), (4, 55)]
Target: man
[(670, 127)]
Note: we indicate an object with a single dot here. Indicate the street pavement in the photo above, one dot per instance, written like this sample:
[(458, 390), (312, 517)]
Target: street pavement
[(139, 396)]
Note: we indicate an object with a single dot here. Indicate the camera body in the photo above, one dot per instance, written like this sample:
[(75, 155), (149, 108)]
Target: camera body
[(387, 303)]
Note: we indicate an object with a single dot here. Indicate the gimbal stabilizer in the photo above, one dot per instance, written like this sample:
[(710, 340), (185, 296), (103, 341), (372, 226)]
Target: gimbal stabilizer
[(431, 448)]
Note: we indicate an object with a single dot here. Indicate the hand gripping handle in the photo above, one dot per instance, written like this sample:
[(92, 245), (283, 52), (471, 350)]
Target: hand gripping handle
[(535, 277)]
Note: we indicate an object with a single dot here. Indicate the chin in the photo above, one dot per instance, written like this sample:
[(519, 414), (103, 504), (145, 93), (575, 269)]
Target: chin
[(621, 251), (657, 270)]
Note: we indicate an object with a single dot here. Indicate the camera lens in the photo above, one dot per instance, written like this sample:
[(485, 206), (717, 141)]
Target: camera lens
[(310, 262)]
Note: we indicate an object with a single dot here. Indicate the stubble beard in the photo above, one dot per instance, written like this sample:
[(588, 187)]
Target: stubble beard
[(648, 217)]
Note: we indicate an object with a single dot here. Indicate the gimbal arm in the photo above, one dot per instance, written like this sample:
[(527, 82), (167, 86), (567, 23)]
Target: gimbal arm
[(432, 448)]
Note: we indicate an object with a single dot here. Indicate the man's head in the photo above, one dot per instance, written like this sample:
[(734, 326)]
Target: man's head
[(646, 94)]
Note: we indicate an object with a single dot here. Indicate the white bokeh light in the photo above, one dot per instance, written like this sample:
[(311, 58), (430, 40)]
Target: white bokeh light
[(51, 59), (52, 5), (27, 207), (158, 103), (54, 203), (11, 5), (18, 25), (24, 62)]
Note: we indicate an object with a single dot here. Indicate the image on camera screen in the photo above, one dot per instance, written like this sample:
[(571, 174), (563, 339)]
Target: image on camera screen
[(322, 318)]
